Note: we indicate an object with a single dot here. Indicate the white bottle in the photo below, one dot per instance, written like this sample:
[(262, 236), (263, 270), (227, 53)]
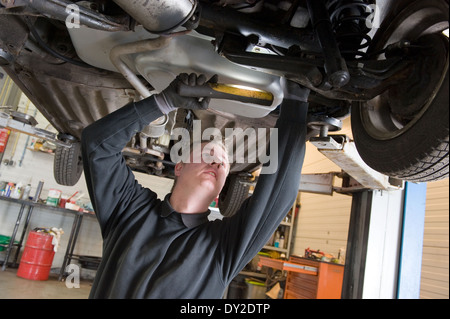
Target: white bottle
[(17, 192), (276, 242), (282, 241), (26, 192)]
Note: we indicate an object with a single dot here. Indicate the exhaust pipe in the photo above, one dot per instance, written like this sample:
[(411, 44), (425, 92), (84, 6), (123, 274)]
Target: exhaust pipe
[(159, 16)]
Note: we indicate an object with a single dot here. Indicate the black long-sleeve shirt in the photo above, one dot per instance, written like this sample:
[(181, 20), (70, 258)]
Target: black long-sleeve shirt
[(152, 251)]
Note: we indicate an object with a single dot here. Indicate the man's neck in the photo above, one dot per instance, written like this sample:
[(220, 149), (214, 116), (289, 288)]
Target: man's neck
[(187, 203)]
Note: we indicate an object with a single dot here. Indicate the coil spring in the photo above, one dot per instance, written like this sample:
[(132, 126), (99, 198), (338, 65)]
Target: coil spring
[(349, 19)]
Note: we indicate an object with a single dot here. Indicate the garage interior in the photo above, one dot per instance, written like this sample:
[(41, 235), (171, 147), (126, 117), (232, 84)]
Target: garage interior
[(367, 243)]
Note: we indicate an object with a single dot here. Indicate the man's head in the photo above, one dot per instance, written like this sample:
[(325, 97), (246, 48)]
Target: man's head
[(205, 170)]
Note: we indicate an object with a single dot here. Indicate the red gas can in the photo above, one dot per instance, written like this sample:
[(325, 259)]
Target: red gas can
[(37, 257)]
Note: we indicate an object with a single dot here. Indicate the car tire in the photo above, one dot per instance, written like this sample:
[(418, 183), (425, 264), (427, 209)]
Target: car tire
[(418, 155), (68, 165), (233, 194), (413, 147)]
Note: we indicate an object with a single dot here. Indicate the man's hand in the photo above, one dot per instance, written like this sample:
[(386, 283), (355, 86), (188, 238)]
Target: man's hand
[(169, 99)]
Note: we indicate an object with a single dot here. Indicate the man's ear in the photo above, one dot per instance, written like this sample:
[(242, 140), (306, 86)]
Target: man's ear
[(178, 168)]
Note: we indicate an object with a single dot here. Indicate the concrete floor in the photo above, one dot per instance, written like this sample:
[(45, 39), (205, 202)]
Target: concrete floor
[(13, 287)]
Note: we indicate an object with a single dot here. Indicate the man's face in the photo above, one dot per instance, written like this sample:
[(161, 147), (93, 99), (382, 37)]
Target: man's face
[(209, 174)]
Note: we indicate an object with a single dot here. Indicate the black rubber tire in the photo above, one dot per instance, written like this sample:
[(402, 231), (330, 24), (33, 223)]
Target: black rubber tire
[(68, 164), (232, 195), (419, 151), (418, 155)]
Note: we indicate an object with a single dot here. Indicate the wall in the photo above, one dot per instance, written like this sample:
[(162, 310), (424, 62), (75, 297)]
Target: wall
[(322, 223), (323, 220)]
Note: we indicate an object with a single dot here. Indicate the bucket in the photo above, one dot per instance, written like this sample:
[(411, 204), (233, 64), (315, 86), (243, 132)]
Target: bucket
[(37, 257), (236, 290), (255, 290)]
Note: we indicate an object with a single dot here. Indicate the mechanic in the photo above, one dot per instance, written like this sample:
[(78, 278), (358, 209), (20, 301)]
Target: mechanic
[(167, 248)]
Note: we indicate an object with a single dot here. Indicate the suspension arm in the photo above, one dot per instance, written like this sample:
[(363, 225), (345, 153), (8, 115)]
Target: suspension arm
[(367, 78), (335, 66)]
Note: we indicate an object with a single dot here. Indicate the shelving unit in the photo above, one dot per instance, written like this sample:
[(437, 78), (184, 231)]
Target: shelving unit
[(286, 227)]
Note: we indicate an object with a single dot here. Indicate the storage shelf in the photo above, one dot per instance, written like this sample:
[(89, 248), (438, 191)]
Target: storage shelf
[(283, 250), (289, 266), (288, 228)]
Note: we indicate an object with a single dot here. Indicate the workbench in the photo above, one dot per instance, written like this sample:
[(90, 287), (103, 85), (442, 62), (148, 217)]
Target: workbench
[(308, 278), (76, 225)]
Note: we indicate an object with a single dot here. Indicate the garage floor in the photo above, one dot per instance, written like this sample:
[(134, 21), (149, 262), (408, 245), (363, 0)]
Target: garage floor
[(13, 287)]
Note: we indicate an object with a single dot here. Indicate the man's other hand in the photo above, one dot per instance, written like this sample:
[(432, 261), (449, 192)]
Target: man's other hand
[(169, 99)]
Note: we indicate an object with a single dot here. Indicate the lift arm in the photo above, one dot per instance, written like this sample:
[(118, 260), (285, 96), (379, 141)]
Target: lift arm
[(24, 123)]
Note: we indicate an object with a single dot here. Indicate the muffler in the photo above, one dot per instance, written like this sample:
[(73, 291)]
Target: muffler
[(159, 16)]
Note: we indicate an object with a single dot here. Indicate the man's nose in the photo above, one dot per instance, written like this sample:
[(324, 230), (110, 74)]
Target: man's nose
[(215, 163)]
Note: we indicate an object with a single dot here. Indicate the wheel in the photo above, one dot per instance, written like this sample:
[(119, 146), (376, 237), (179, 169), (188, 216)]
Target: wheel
[(233, 194), (68, 164), (404, 132)]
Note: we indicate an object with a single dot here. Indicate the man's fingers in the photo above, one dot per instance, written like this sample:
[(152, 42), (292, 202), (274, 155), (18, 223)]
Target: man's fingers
[(192, 79), (214, 79), (183, 77), (201, 79)]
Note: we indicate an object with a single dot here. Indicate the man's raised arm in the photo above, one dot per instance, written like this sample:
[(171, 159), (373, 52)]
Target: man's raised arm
[(111, 183)]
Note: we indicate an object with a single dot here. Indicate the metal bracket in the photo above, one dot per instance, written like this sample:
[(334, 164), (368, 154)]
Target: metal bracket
[(317, 183), (341, 151), (24, 123)]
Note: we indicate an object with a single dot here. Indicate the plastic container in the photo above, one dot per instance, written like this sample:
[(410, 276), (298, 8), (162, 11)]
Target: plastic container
[(26, 192), (53, 197), (2, 187), (37, 257), (8, 189), (4, 241), (17, 192), (237, 290), (281, 242), (255, 290)]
